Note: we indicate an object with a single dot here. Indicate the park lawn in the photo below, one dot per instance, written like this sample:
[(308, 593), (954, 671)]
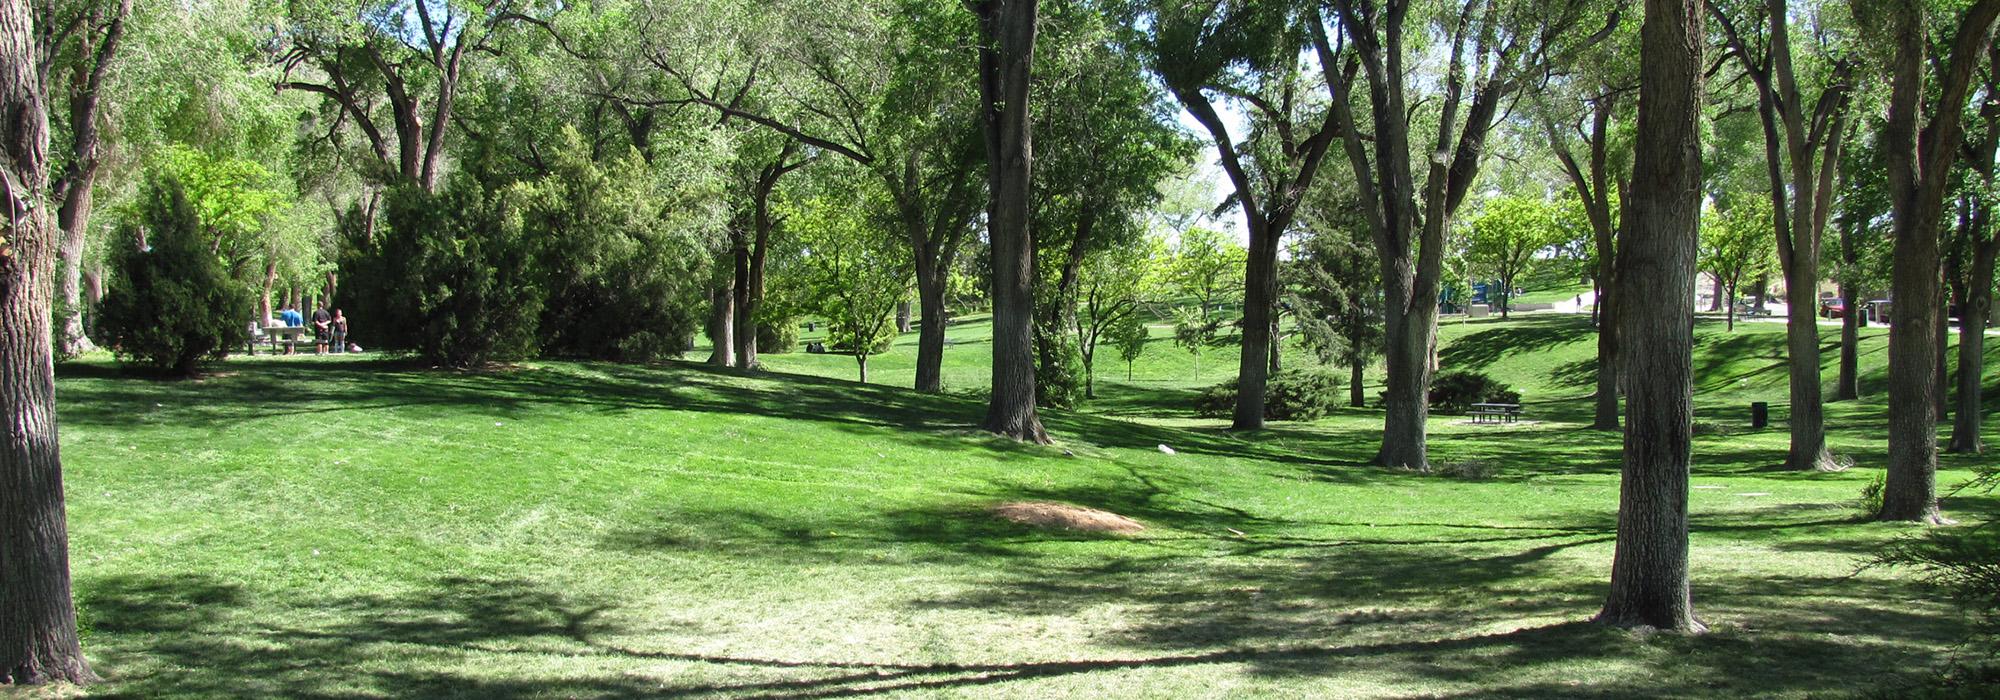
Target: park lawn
[(354, 527)]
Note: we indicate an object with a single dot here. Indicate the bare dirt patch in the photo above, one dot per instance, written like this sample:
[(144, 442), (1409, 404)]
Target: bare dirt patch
[(1063, 515)]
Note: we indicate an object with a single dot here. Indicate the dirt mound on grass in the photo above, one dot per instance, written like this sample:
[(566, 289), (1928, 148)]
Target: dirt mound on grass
[(1066, 516)]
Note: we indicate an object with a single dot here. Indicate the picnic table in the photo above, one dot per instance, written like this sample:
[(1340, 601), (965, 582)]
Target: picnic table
[(1496, 412), (291, 335)]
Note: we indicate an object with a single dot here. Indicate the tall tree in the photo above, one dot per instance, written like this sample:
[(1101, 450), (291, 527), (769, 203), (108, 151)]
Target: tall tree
[(1492, 49), (38, 640), (1919, 150), (1007, 30), (750, 237), (1804, 125), (1649, 569), (1596, 179), (83, 55), (1971, 263), (415, 52), (1249, 52), (879, 85)]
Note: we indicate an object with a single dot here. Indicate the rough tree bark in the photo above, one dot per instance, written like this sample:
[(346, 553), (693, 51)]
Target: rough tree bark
[(752, 249), (1649, 569), (38, 640), (1592, 181), (1006, 53), (1919, 155), (721, 325)]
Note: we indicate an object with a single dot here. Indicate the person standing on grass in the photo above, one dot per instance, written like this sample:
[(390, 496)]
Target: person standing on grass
[(339, 331), (322, 329)]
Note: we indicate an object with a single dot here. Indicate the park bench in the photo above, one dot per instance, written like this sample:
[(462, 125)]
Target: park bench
[(1495, 412)]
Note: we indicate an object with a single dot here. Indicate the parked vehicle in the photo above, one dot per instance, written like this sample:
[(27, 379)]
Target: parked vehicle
[(1833, 308)]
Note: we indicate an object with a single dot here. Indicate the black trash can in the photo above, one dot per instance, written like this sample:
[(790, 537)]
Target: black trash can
[(1760, 414)]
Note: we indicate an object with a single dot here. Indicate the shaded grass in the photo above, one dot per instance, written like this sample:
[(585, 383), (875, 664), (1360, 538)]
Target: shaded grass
[(342, 527)]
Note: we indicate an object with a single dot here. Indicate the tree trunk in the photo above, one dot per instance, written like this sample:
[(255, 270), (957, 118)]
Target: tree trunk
[(1917, 169), (38, 640), (743, 327), (1006, 52), (1973, 312), (931, 325), (1848, 386), (1606, 412), (1260, 292), (1356, 396), (1760, 289), (1649, 570), (74, 220), (903, 316), (721, 326), (1406, 400), (862, 361), (1940, 395), (1808, 423), (270, 280)]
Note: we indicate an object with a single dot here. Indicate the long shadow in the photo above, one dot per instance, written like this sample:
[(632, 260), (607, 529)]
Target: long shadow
[(1520, 336)]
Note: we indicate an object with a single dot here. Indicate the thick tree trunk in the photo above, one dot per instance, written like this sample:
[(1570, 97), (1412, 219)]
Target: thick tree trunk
[(1761, 289), (1356, 396), (1940, 395), (1808, 422), (1917, 168), (74, 220), (1007, 29), (1973, 313), (903, 316), (38, 640), (931, 327), (721, 326), (1260, 292), (1848, 386), (1406, 399), (1649, 570)]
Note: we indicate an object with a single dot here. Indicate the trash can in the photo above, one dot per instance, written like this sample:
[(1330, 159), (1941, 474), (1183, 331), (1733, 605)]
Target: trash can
[(1760, 414)]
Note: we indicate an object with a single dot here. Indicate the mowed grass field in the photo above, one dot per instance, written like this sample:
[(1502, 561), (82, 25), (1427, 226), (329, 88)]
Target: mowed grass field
[(360, 527)]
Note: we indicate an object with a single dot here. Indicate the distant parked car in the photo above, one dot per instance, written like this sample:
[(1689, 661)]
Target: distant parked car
[(1833, 308)]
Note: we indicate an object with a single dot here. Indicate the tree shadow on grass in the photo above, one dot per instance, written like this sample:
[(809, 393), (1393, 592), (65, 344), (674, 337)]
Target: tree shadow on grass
[(1477, 350)]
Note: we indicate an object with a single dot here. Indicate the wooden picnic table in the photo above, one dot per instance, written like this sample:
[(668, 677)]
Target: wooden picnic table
[(290, 334), (1496, 412)]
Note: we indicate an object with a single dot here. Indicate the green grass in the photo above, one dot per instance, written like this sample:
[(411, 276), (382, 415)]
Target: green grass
[(341, 527)]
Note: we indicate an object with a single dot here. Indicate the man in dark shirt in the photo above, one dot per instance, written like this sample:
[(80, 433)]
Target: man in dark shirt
[(322, 329)]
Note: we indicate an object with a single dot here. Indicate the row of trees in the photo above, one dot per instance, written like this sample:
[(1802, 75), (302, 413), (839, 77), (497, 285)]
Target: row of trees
[(503, 178)]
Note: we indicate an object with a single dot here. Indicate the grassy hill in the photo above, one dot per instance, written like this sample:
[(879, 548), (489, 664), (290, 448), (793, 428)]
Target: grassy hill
[(351, 527)]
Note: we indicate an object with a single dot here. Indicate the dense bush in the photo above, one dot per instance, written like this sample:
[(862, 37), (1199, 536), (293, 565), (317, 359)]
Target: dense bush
[(778, 336), (1300, 394), (621, 260), (458, 281), (1454, 392), (171, 303)]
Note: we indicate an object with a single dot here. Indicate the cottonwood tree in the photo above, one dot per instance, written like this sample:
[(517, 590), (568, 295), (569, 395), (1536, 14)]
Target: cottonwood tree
[(1492, 50), (1590, 109), (400, 61), (1007, 31), (881, 85), (38, 639), (81, 43), (1920, 142), (1249, 52), (1862, 260), (1803, 111), (1656, 260), (1970, 263), (1091, 195)]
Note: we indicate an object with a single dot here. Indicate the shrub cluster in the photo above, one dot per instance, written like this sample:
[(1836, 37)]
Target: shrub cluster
[(1298, 394), (1454, 392), (172, 303)]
